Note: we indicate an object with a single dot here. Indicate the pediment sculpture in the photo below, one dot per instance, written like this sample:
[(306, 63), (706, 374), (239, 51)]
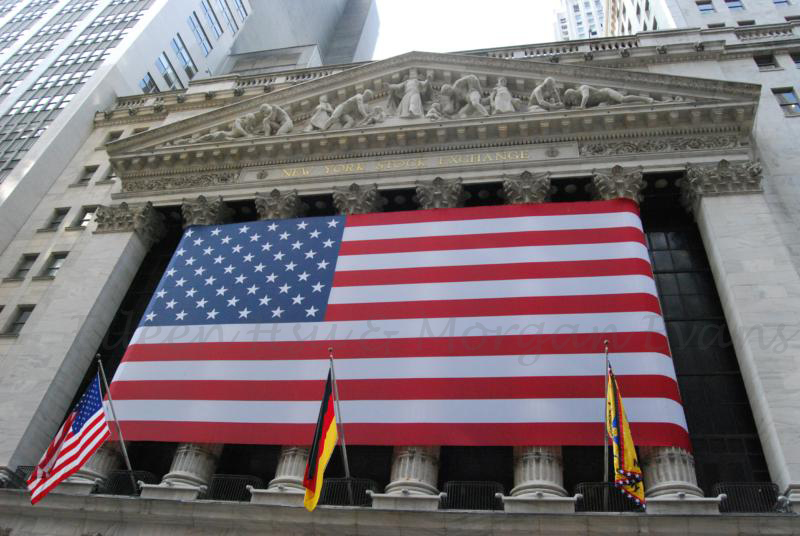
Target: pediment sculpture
[(420, 99)]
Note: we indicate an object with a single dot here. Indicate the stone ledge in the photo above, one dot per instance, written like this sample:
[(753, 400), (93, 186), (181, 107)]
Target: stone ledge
[(76, 487), (170, 493), (132, 516), (43, 278), (403, 501), (538, 504), (686, 504), (276, 497), (75, 228), (13, 279)]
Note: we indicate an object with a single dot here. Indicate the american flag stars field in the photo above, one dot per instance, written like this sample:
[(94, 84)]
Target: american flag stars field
[(263, 271)]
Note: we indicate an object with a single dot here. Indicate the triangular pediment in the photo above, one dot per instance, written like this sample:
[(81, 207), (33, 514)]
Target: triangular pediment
[(440, 99)]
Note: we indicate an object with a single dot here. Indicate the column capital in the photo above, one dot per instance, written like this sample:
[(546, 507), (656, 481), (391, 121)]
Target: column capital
[(441, 193), (202, 211), (144, 220), (357, 199), (619, 183), (527, 188), (278, 205), (721, 178)]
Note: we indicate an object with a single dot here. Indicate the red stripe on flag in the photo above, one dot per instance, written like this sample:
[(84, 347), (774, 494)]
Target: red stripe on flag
[(493, 272), (492, 240), (472, 434), (498, 211), (648, 386), (562, 343), (601, 303)]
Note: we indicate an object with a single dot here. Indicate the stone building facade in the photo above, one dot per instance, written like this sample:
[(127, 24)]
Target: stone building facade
[(684, 122)]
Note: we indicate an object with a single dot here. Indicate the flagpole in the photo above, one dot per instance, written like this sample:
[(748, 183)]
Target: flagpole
[(114, 415), (605, 416), (340, 426)]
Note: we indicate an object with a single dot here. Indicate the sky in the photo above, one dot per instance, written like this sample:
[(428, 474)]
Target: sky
[(454, 25)]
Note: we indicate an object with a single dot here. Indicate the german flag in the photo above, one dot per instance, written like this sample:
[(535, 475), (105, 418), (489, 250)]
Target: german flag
[(325, 438)]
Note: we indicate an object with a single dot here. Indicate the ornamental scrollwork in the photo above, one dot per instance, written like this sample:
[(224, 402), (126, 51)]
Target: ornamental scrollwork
[(177, 182)]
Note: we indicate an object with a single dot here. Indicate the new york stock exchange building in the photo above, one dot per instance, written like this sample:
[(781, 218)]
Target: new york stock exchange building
[(465, 231)]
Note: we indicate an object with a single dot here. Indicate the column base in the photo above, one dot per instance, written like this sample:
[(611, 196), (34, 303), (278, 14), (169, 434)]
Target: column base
[(537, 503), (77, 486), (405, 501), (684, 504), (10, 479), (171, 492), (277, 496)]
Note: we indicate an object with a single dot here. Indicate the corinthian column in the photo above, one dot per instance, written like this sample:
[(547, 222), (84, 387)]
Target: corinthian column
[(669, 475), (286, 489), (94, 472), (193, 464), (538, 470)]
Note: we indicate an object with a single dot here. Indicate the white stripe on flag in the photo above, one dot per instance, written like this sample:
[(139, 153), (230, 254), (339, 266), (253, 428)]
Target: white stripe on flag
[(493, 225), (398, 368)]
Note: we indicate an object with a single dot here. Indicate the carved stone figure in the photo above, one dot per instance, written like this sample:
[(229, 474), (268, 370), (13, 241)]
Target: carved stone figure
[(320, 116), (501, 100), (545, 96), (588, 97), (467, 92), (407, 96), (351, 111), (375, 114), (276, 122), (435, 112)]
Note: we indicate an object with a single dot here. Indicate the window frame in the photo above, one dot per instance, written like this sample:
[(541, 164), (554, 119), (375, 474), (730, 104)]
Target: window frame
[(200, 34), (708, 4), (86, 175), (16, 324), (790, 107), (212, 19), (767, 62), (148, 84), (735, 5), (51, 268), (184, 56), (168, 72), (56, 218), (23, 267)]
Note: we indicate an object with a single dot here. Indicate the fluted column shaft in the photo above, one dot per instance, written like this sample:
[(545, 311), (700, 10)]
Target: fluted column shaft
[(668, 471), (192, 465), (538, 470), (105, 459), (415, 471)]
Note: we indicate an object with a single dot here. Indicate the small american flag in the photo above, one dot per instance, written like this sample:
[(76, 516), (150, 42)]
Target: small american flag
[(464, 326), (79, 437)]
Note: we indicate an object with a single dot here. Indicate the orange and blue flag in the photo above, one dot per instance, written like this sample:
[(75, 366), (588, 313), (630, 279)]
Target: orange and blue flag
[(325, 438), (627, 472)]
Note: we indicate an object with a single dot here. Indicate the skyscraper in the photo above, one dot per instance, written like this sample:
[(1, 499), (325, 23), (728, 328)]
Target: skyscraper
[(579, 19)]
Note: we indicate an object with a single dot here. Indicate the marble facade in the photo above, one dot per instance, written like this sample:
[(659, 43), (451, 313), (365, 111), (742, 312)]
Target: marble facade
[(627, 125)]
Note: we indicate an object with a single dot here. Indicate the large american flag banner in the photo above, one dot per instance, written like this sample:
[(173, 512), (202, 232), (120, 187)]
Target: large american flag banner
[(471, 326)]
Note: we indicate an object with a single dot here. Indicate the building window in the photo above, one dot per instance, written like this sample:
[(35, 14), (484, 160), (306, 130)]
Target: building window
[(200, 34), (86, 217), (147, 84), (111, 174), (164, 66), (240, 9), (16, 325), (787, 99), (179, 48), (792, 18), (56, 219), (705, 6), (734, 4), (765, 62), (24, 266), (746, 23), (54, 264), (113, 136), (655, 24), (86, 175), (795, 58), (211, 18), (781, 2), (228, 16), (717, 25)]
